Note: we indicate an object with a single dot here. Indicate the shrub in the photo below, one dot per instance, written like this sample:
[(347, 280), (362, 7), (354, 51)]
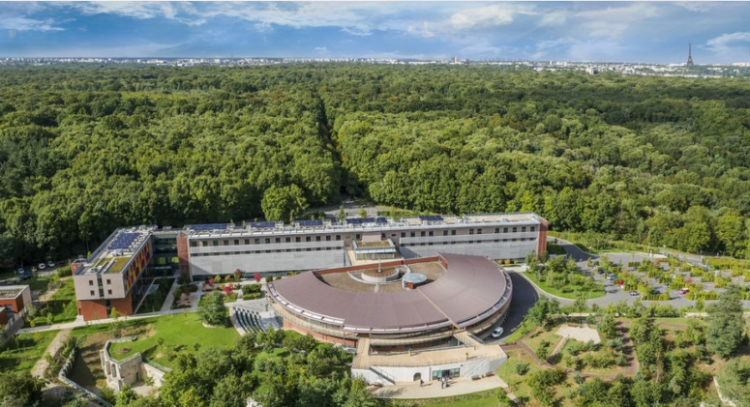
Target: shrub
[(578, 379), (522, 369), (64, 271), (269, 279), (542, 352), (251, 296)]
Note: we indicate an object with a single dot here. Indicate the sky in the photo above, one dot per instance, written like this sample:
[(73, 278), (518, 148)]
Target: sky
[(652, 32)]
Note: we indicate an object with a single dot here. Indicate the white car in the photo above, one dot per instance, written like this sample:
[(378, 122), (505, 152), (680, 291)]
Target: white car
[(498, 332), (50, 264), (42, 266)]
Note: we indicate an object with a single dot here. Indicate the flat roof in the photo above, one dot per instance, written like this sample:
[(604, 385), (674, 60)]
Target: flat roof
[(377, 225), (470, 287), (12, 291), (116, 251)]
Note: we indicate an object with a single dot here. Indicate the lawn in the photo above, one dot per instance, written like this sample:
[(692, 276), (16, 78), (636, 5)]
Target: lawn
[(550, 336), (181, 331), (486, 398), (21, 358), (522, 330), (559, 293), (507, 372), (61, 306)]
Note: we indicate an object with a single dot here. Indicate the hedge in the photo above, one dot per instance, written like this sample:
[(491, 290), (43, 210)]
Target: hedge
[(251, 296)]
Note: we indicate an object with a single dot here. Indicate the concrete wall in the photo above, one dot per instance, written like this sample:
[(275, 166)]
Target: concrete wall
[(483, 245), (127, 371), (469, 368), (18, 303)]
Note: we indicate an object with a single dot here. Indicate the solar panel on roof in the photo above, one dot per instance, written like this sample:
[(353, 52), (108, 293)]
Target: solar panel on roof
[(381, 220), (316, 222), (355, 221), (209, 226), (262, 225), (431, 218)]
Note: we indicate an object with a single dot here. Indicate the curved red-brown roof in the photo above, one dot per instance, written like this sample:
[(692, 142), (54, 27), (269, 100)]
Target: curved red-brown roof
[(472, 287)]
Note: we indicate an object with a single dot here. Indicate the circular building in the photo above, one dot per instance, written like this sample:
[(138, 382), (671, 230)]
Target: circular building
[(432, 301)]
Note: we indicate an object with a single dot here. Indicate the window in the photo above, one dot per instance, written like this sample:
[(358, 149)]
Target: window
[(523, 229), (431, 234), (308, 249), (317, 238), (515, 229), (445, 233), (471, 242), (421, 244), (403, 234), (307, 238), (193, 243), (317, 249), (338, 237), (421, 233), (92, 293), (297, 239), (479, 231), (513, 240), (533, 228), (497, 230), (109, 292), (247, 241), (328, 238), (226, 243), (298, 249), (453, 232), (91, 282), (267, 240), (216, 242), (288, 250), (109, 281), (204, 243), (358, 237), (278, 240), (429, 244), (257, 241), (505, 230), (412, 234), (471, 231), (288, 240)]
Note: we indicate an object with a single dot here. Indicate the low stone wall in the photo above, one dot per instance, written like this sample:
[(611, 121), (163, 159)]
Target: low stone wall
[(135, 368), (63, 376)]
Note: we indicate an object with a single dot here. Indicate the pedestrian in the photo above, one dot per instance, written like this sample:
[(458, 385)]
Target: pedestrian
[(421, 382)]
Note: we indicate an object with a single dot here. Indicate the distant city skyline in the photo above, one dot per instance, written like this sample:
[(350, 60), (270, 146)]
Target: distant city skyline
[(656, 32)]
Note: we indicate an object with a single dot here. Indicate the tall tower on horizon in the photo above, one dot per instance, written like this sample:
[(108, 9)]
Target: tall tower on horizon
[(690, 55)]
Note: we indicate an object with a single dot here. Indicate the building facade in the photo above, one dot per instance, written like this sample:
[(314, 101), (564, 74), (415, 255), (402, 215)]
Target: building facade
[(119, 273)]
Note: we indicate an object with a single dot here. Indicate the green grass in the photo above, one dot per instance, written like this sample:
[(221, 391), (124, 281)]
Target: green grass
[(679, 321), (559, 293), (180, 329), (507, 372), (553, 248), (66, 292), (550, 336), (485, 398), (31, 348), (40, 284), (522, 330)]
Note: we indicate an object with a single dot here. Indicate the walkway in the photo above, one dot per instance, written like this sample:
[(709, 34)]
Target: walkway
[(431, 389), (41, 365), (79, 322), (170, 297)]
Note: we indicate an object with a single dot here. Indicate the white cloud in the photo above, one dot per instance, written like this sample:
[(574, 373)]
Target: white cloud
[(731, 47), (613, 22), (180, 12), (17, 23), (696, 6), (481, 17)]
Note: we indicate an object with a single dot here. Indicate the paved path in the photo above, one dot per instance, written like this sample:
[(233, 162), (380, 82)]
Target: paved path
[(41, 365), (431, 389), (170, 297)]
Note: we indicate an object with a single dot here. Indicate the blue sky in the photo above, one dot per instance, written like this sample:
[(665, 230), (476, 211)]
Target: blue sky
[(568, 31)]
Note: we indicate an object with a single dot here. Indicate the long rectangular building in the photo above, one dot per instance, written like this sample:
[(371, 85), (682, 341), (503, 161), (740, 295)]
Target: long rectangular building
[(119, 273)]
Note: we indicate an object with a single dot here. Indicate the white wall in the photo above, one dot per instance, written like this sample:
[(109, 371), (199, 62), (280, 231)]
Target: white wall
[(469, 368)]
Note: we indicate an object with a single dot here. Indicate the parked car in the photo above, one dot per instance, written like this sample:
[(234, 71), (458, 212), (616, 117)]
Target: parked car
[(684, 291), (498, 332), (50, 264), (25, 277), (20, 270), (634, 293), (600, 271), (42, 266)]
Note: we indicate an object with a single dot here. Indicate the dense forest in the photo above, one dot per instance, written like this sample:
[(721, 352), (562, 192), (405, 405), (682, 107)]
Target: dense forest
[(651, 160)]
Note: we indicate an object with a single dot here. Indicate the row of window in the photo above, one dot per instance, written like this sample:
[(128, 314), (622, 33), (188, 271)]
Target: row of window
[(109, 292), (523, 239), (328, 238), (309, 249), (267, 240)]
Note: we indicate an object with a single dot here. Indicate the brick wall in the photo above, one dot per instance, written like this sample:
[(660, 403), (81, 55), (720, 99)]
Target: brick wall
[(15, 303), (92, 309), (542, 242), (3, 316), (184, 256), (124, 306)]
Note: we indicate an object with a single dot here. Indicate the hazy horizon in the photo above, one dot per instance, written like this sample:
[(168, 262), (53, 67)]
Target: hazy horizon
[(629, 32)]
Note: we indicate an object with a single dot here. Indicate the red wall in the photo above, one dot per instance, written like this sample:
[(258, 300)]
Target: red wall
[(15, 303), (542, 245), (97, 309), (183, 255), (3, 316)]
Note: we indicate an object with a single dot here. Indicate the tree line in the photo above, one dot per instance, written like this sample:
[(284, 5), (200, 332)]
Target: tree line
[(646, 160)]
